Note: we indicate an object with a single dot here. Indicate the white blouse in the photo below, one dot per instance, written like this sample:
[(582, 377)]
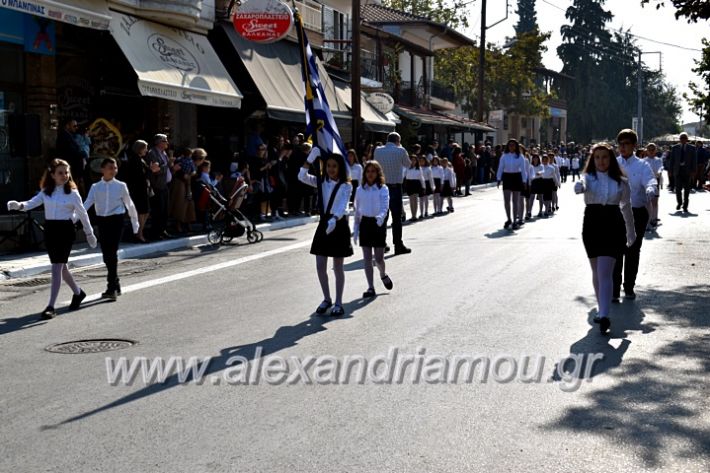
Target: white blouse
[(449, 176), (428, 175), (603, 190), (112, 198), (414, 174), (512, 163), (437, 172), (356, 172), (60, 206), (342, 198), (550, 171), (641, 179), (372, 201), (533, 172), (656, 165)]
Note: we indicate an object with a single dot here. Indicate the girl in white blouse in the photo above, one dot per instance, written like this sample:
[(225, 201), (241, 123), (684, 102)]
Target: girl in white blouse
[(371, 210), (513, 173), (355, 172), (332, 237), (448, 184), (657, 168), (535, 182), (608, 227), (61, 202), (428, 187), (414, 184), (437, 174)]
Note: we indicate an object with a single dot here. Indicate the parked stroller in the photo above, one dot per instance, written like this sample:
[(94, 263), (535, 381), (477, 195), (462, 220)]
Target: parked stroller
[(224, 219)]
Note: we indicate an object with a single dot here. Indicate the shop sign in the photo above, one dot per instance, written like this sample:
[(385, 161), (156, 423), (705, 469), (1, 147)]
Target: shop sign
[(263, 21), (384, 103), (173, 54)]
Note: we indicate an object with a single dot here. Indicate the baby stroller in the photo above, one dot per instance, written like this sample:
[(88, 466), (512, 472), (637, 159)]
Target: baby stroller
[(224, 220)]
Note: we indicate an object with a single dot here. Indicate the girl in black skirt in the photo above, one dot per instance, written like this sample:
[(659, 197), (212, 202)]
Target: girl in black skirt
[(370, 227), (448, 184), (414, 185), (437, 174), (61, 201), (608, 223), (549, 184), (513, 173), (535, 182), (332, 237), (428, 187)]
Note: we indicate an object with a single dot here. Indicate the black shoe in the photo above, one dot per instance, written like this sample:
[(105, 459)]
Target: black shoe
[(401, 250), (677, 207), (387, 249), (516, 226), (596, 319), (685, 210), (118, 289), (323, 307), (387, 282), (528, 217), (629, 294), (616, 300), (521, 222), (370, 293), (76, 300), (110, 294), (507, 224), (337, 311), (48, 313), (604, 324)]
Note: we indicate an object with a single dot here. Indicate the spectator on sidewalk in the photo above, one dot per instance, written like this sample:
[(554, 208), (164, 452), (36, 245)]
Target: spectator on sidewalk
[(182, 205), (160, 177), (700, 173), (136, 172), (71, 152)]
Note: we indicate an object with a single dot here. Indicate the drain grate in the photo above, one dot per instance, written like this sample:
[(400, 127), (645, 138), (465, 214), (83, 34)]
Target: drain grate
[(90, 346), (33, 282)]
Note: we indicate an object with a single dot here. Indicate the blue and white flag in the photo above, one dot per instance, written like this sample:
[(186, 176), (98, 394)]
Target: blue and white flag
[(320, 124)]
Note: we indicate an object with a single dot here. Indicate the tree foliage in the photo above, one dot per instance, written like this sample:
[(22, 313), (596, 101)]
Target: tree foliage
[(699, 97), (602, 97), (694, 10), (448, 12), (527, 17)]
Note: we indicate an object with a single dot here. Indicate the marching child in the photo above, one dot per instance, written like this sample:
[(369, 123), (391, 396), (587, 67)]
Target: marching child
[(355, 172), (428, 187), (414, 184), (111, 200), (332, 237), (448, 184), (437, 173), (61, 201), (370, 227)]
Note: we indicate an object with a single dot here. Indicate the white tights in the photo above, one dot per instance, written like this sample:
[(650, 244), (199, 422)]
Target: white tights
[(59, 272), (603, 280), (338, 270), (379, 261)]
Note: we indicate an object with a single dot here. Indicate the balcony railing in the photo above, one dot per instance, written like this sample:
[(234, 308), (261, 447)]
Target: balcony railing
[(440, 91), (312, 16)]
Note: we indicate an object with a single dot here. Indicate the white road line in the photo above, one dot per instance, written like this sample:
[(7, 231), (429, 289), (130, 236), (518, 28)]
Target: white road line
[(207, 269)]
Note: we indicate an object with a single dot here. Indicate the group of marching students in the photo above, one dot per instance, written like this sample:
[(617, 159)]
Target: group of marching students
[(429, 180), (528, 176)]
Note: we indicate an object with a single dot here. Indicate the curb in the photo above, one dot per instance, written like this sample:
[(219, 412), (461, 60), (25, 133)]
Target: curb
[(84, 256)]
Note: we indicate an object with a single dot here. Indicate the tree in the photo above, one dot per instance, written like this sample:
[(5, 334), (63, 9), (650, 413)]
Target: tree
[(527, 17), (694, 10), (451, 13), (699, 98)]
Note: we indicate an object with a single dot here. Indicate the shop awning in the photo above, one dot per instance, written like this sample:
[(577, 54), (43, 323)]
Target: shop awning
[(174, 64), (86, 13), (372, 119), (276, 71), (428, 117)]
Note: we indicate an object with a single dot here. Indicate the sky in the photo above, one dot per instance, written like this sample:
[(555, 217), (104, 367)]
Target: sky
[(645, 21)]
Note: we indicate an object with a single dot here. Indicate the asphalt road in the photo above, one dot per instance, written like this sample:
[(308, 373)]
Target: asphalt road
[(468, 288)]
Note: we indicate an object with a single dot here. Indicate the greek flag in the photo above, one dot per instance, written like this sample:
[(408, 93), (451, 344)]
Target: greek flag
[(320, 124)]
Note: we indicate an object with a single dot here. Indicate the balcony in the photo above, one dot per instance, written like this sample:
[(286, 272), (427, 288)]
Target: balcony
[(312, 16)]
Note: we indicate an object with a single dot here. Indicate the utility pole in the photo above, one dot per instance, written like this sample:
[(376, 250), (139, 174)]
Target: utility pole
[(355, 75), (482, 54), (639, 98)]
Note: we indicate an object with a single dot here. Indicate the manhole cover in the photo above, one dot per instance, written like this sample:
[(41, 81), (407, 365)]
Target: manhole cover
[(90, 346)]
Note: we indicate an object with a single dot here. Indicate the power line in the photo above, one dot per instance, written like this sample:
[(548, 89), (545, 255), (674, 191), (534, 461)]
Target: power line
[(672, 45)]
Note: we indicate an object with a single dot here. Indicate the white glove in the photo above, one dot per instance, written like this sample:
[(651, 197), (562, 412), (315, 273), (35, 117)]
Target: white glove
[(91, 240), (313, 155), (650, 194), (630, 238), (380, 220), (331, 226), (13, 205), (579, 187)]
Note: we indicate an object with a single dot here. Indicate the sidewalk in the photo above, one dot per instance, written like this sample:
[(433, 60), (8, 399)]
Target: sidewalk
[(32, 264)]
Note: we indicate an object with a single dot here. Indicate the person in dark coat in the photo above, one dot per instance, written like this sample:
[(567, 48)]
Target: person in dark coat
[(69, 151), (683, 162)]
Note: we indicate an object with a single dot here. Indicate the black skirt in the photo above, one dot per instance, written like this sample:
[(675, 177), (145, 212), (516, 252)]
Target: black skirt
[(371, 235), (446, 190), (537, 186), (437, 185), (429, 190), (548, 187), (337, 244), (512, 181), (604, 231), (59, 237), (413, 186)]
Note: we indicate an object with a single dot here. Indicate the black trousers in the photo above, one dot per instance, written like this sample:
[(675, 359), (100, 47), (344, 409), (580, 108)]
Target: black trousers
[(629, 262), (159, 212), (110, 231), (396, 211), (682, 189)]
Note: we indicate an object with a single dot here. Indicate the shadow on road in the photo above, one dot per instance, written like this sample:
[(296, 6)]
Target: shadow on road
[(502, 233), (656, 405), (14, 324), (284, 337)]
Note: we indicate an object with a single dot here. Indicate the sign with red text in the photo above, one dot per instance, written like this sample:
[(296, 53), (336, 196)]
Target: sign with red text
[(263, 21)]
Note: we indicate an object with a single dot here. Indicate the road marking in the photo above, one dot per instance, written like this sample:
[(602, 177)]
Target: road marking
[(207, 269)]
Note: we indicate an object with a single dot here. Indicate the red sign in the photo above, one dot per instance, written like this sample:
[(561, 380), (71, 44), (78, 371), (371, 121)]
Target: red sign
[(263, 21)]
